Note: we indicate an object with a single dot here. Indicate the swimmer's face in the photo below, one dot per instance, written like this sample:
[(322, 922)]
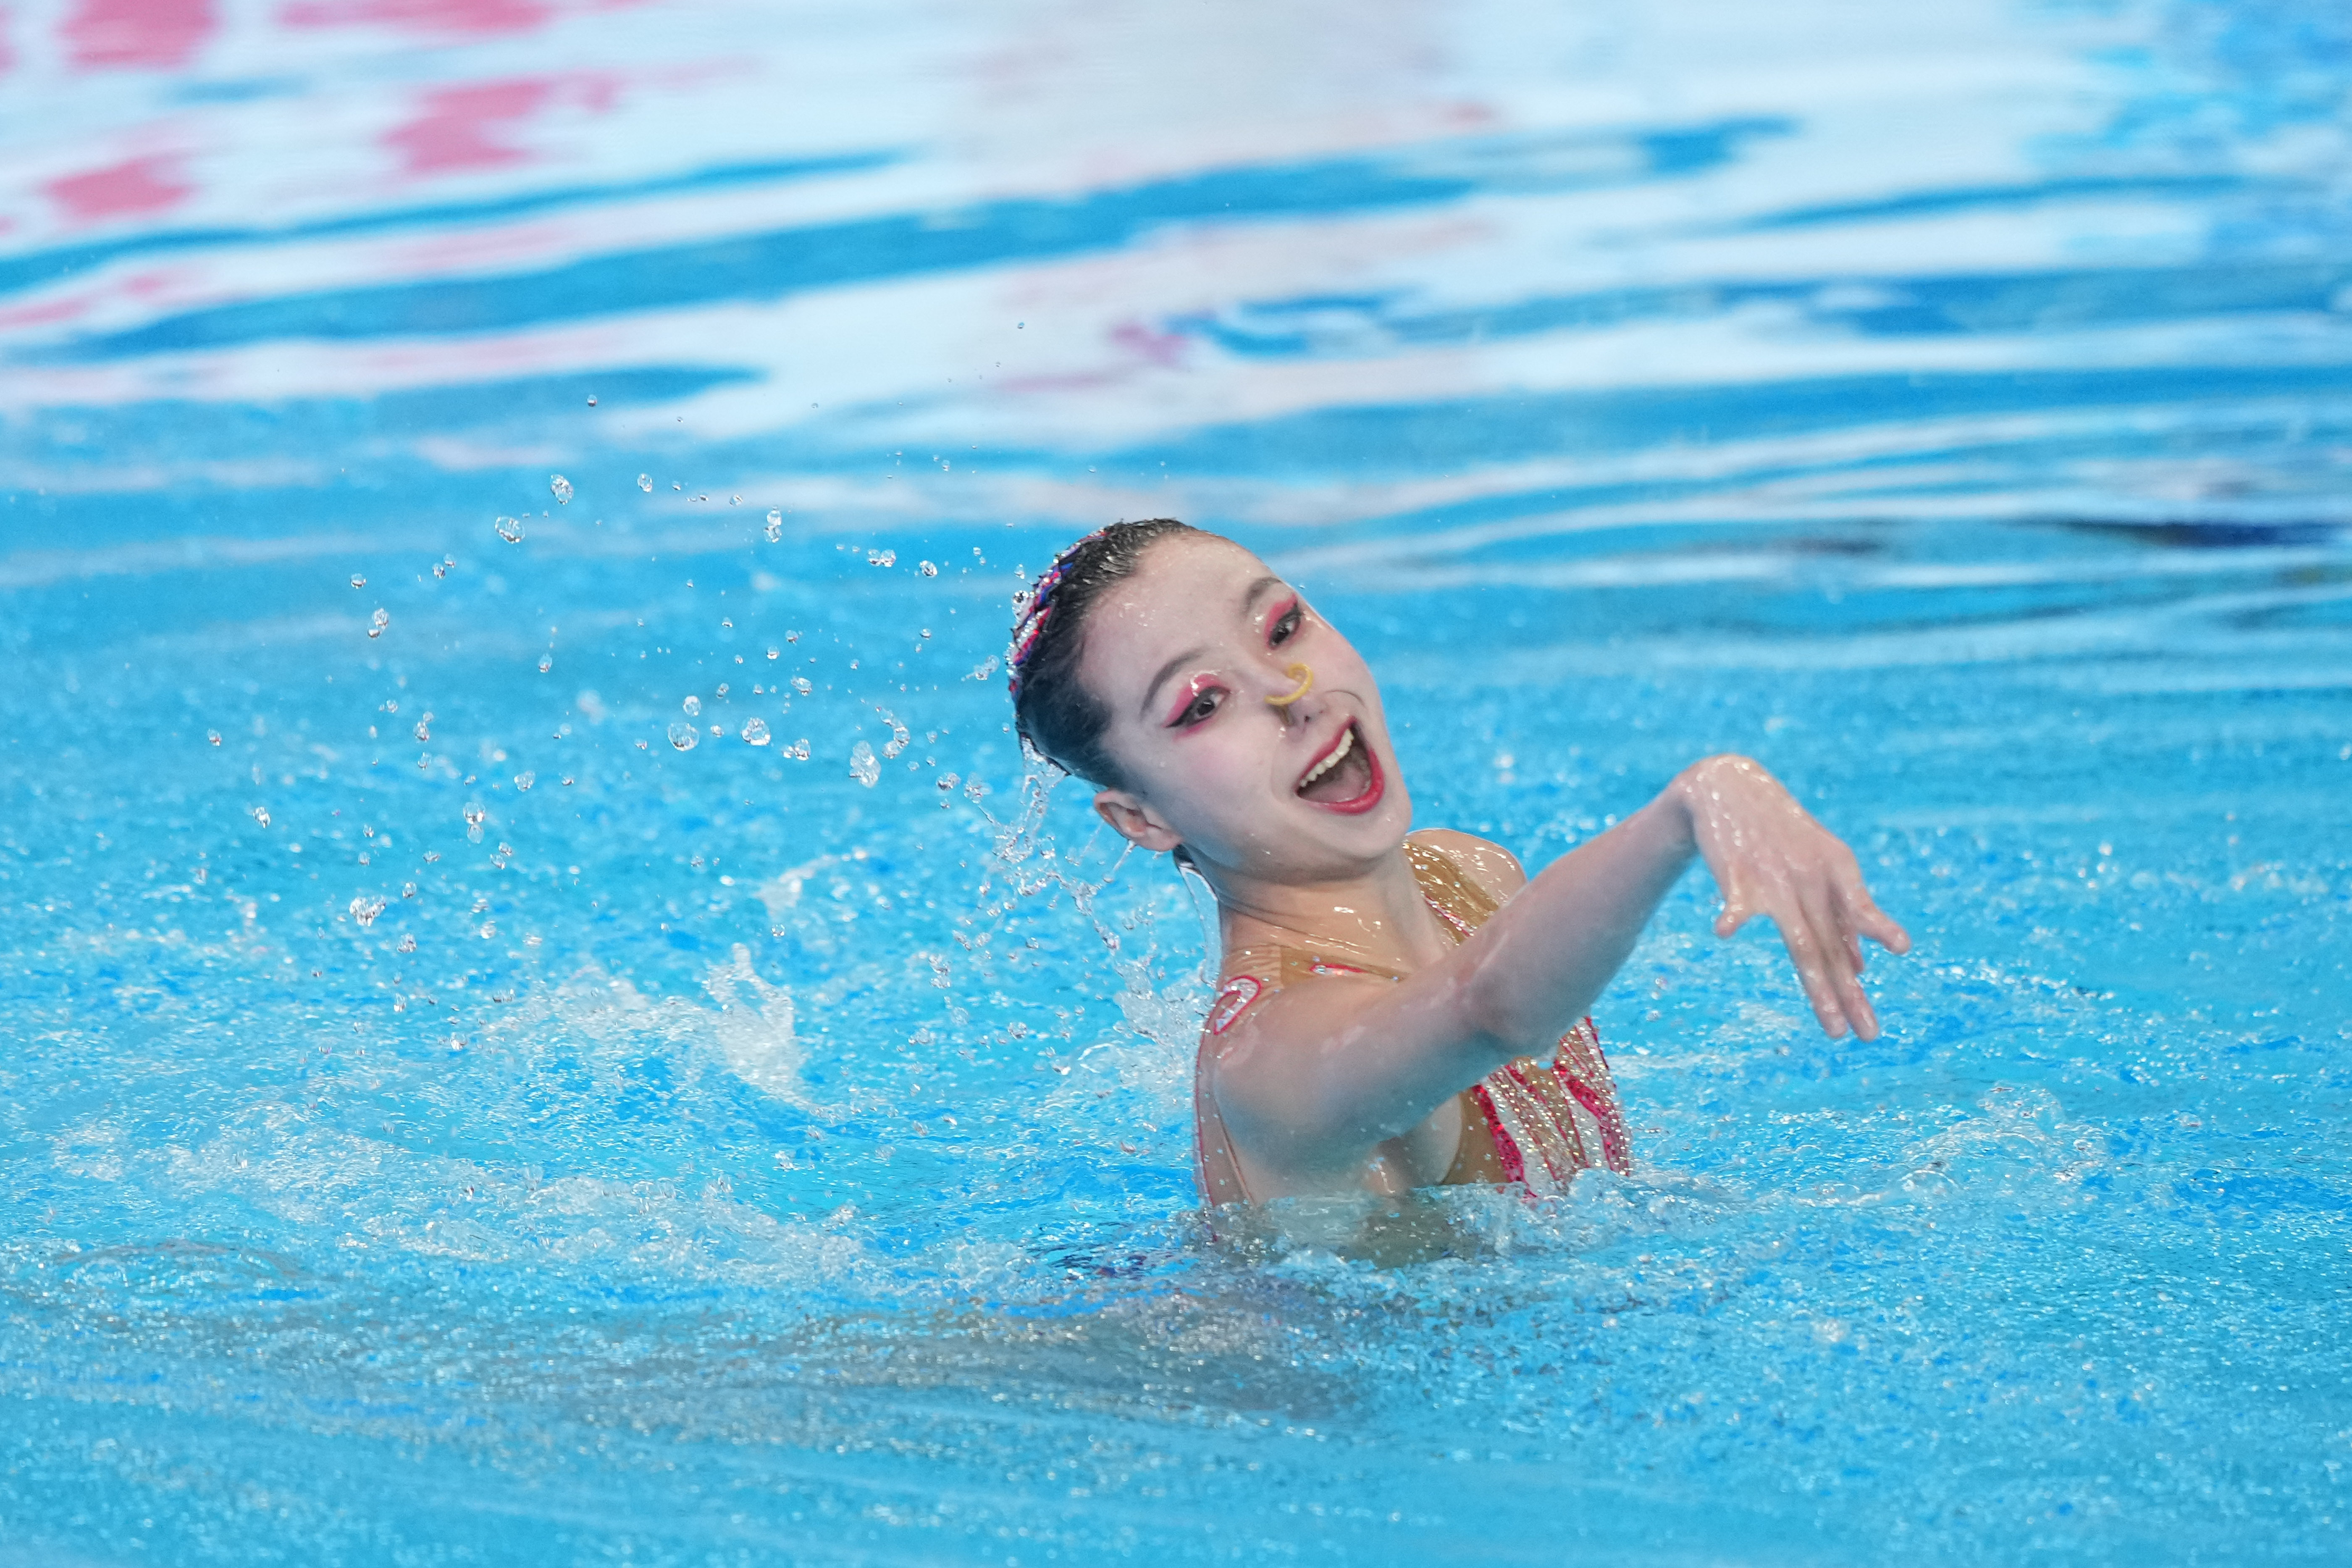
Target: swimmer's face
[(1185, 654)]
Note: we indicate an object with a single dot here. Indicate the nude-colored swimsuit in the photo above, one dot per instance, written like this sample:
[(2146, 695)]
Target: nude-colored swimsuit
[(1544, 1120)]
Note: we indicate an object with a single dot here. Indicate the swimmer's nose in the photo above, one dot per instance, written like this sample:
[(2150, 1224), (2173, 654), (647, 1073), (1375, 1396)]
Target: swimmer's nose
[(1302, 682)]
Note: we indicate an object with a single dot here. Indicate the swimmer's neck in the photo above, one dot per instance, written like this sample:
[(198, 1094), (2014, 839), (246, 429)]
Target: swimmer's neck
[(1380, 914)]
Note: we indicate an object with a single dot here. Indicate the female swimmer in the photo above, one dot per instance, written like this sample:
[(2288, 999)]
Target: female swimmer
[(1398, 1011)]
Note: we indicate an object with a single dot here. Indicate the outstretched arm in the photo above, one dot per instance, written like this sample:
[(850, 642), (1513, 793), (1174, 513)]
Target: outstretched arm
[(1359, 1066)]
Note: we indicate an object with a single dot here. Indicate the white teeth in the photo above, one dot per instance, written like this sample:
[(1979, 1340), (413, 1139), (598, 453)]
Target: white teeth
[(1338, 754)]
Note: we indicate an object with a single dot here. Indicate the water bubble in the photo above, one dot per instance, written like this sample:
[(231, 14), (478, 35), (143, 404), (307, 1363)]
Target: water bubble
[(377, 622), (755, 731), (645, 484), (358, 581), (693, 706), (546, 662), (474, 816), (441, 567), (800, 684), (509, 529), (560, 487), (798, 751), (214, 736), (262, 815), (863, 765), (425, 726), (775, 524), (929, 569), (365, 907), (523, 781), (881, 558), (682, 735)]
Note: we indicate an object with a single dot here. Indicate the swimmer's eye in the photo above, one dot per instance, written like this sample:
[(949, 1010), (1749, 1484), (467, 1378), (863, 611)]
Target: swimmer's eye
[(1285, 625), (1202, 702)]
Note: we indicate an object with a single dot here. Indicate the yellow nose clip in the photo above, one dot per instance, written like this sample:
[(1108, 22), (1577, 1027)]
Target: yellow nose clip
[(1306, 679)]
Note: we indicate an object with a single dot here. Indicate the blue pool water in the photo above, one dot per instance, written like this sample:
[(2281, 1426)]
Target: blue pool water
[(445, 1122)]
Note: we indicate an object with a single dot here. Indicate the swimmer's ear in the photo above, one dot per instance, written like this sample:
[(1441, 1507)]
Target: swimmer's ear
[(1133, 821)]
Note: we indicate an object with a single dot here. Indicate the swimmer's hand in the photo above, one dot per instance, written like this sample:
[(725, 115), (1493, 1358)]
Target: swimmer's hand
[(1771, 859)]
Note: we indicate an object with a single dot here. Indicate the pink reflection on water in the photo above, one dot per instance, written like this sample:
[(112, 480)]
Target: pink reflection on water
[(455, 127), (146, 184), (156, 34), (480, 18)]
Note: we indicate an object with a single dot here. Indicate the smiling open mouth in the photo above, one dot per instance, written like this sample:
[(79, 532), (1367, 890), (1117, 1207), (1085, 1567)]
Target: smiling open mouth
[(1346, 776)]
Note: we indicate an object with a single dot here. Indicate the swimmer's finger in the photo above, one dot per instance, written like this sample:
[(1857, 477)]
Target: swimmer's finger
[(1739, 905), (1863, 915), (1805, 952), (1836, 944)]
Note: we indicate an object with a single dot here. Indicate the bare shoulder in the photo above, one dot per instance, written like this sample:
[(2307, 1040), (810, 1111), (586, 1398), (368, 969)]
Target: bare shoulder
[(1265, 1084), (1495, 869)]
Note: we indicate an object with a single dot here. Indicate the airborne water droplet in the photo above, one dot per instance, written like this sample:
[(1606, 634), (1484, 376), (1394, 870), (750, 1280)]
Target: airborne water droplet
[(365, 907), (546, 662), (560, 487), (262, 815), (377, 622), (474, 816), (425, 726), (441, 567), (800, 684), (881, 558), (693, 706), (523, 781), (928, 570), (509, 529), (214, 736), (756, 732), (775, 653), (645, 484), (682, 735), (358, 581), (775, 524), (863, 765)]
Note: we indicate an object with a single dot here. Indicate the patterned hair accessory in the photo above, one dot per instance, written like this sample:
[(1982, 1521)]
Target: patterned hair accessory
[(1032, 607)]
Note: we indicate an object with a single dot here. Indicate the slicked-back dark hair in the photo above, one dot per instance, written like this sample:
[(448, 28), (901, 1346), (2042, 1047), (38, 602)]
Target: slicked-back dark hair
[(1051, 705)]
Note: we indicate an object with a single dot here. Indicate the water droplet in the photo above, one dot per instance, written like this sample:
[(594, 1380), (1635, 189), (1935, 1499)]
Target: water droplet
[(523, 781), (682, 736), (772, 653), (214, 736), (986, 667), (409, 889), (509, 529), (798, 751), (929, 569), (775, 524), (897, 742), (358, 581), (949, 781), (560, 487), (425, 726), (800, 684), (441, 567), (474, 816), (592, 400), (881, 558), (791, 636), (262, 815), (645, 484), (863, 765), (693, 706), (755, 731), (365, 907), (406, 944), (377, 622), (546, 662)]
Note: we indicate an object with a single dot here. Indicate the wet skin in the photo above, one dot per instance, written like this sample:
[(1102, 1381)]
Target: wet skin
[(1291, 804)]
